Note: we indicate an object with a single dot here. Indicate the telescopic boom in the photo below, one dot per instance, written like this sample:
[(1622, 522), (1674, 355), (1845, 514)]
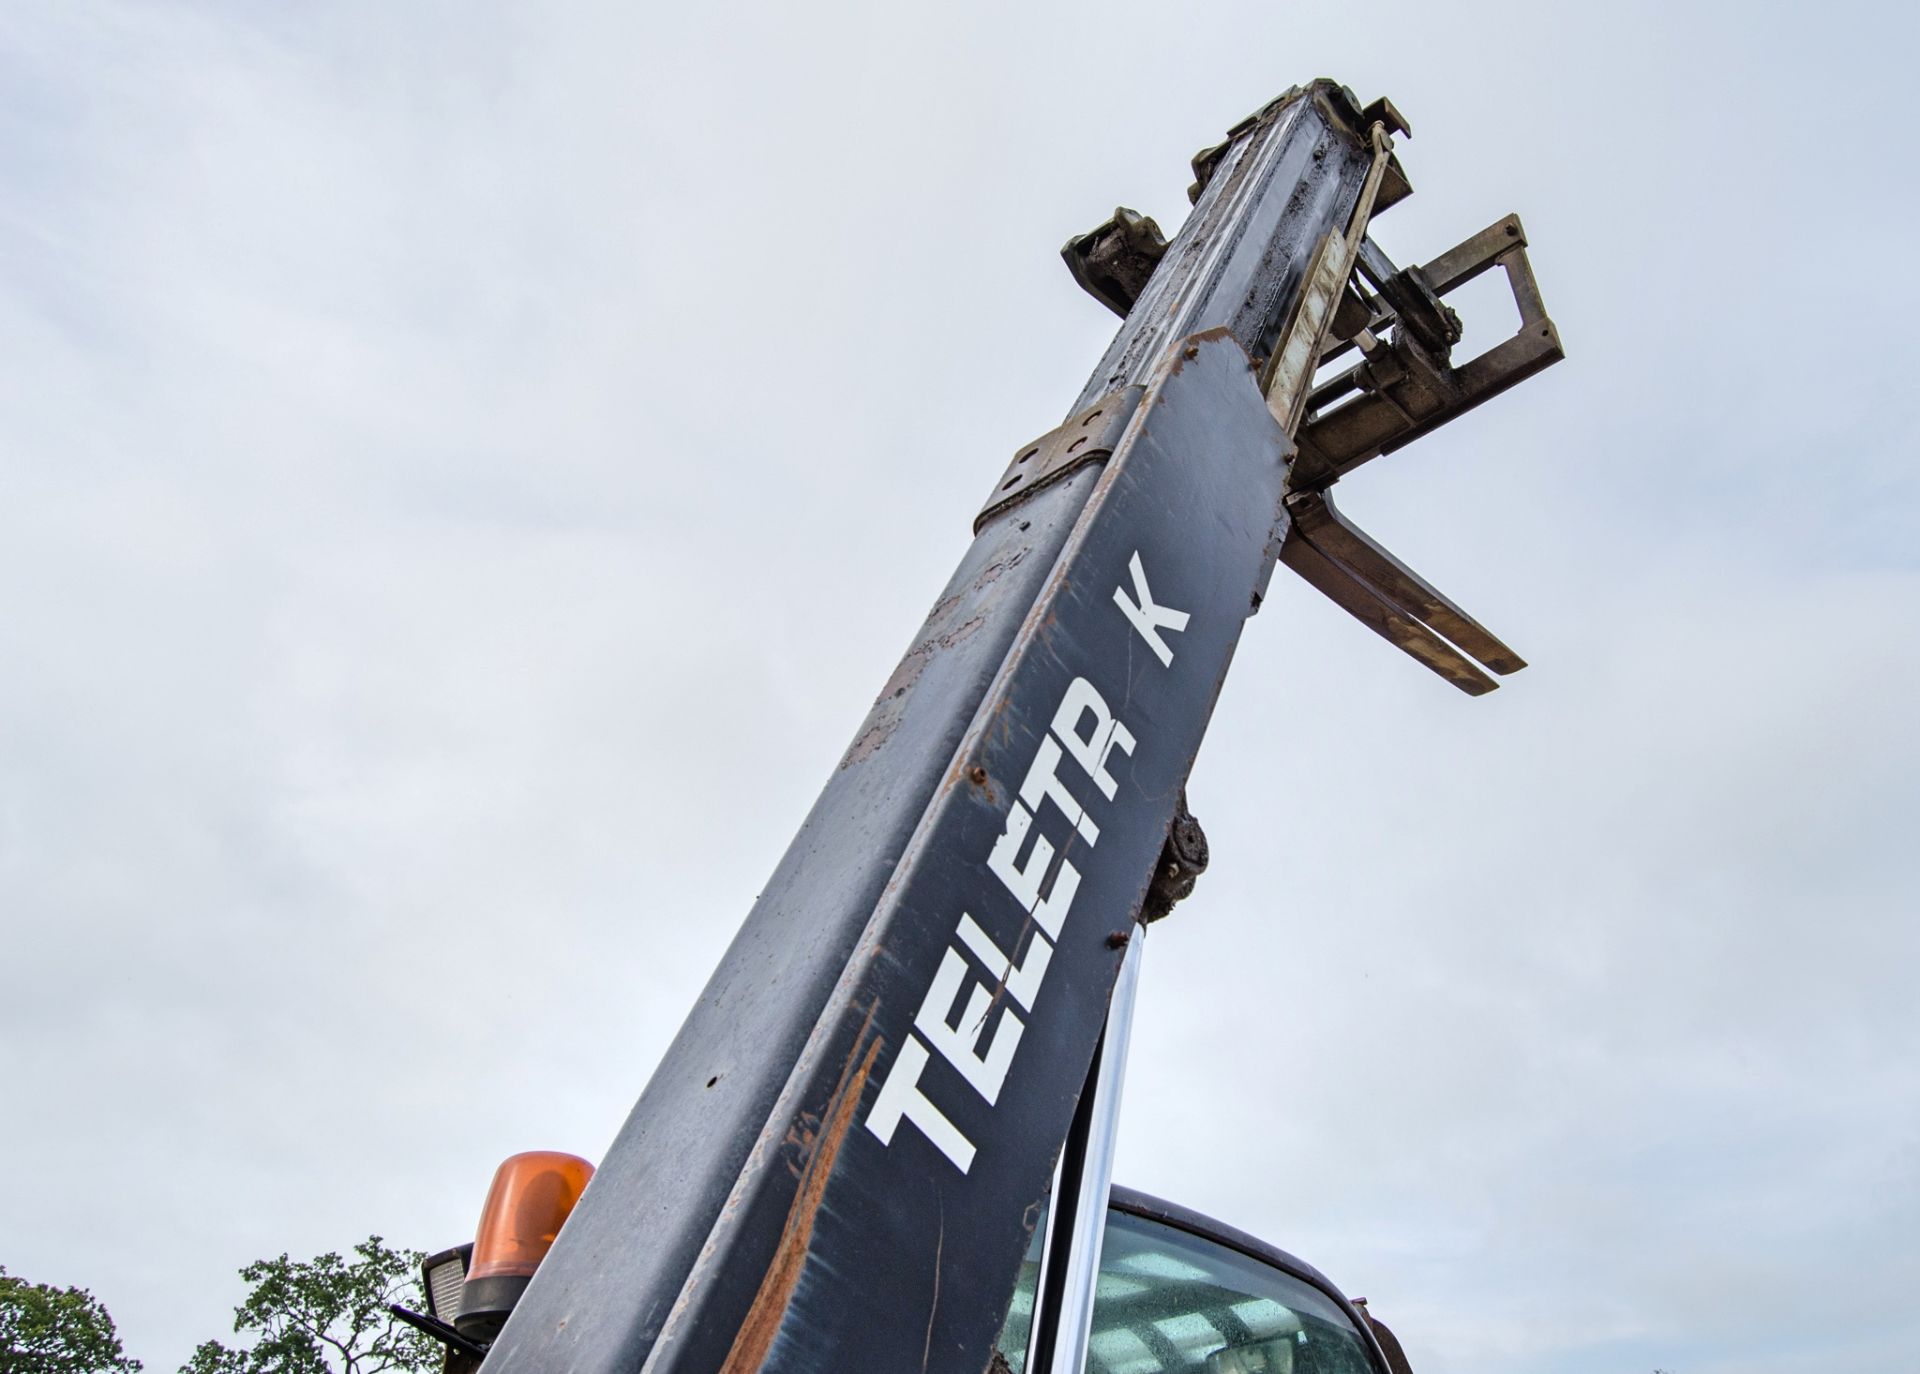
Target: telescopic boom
[(840, 1161)]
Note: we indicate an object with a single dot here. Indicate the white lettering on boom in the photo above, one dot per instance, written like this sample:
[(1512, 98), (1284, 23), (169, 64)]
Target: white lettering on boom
[(979, 1044)]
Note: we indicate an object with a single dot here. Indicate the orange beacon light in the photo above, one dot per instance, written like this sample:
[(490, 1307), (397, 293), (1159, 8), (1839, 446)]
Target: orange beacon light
[(532, 1194)]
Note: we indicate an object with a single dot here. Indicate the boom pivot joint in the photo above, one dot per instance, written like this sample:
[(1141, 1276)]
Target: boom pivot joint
[(1182, 860)]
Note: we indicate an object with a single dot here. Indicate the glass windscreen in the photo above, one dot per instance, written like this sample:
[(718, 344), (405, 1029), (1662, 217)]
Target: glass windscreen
[(1169, 1301)]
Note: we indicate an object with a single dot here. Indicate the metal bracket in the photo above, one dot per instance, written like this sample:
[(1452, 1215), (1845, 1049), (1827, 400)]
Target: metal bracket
[(1088, 436), (1406, 386), (1346, 108), (457, 1342), (1113, 262)]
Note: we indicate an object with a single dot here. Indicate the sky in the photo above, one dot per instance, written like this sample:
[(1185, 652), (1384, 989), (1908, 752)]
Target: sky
[(466, 469)]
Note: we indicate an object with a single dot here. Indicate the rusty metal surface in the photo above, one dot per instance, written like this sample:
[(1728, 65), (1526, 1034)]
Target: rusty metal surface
[(1183, 858), (1380, 610), (1407, 385), (1088, 437), (600, 1297), (1113, 262), (1285, 174), (1316, 520), (1404, 386), (875, 1285), (1296, 355)]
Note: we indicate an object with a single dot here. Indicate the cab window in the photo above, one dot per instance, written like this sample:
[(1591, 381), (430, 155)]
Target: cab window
[(1170, 1302)]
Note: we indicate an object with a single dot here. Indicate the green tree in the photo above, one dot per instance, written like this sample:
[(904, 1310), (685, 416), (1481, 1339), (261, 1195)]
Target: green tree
[(45, 1330), (326, 1316)]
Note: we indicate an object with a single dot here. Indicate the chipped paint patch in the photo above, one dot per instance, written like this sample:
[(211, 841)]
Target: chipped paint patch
[(762, 1322)]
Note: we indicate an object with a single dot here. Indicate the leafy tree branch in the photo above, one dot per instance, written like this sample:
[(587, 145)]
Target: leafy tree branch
[(47, 1330), (326, 1315)]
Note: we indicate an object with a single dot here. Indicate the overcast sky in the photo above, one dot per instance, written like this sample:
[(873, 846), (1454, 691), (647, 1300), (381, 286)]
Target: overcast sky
[(466, 469)]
